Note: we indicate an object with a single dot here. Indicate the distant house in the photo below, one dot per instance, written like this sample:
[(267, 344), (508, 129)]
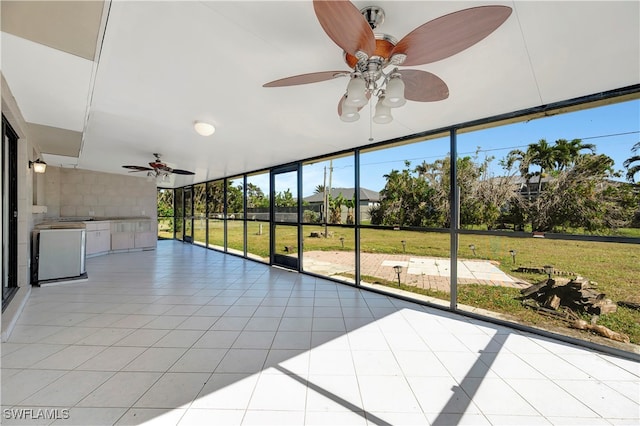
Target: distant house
[(368, 199)]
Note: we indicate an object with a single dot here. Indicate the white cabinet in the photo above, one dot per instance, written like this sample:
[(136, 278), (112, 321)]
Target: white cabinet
[(122, 241), (145, 239), (133, 234), (98, 237), (146, 235)]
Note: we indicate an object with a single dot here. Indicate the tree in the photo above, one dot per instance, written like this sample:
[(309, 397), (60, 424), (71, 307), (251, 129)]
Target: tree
[(285, 199), (406, 200), (543, 155), (319, 189), (256, 197), (632, 164), (235, 202), (421, 197), (215, 197), (350, 205), (548, 158), (490, 198), (580, 192), (523, 160), (199, 200), (165, 203), (567, 152), (335, 208), (582, 196)]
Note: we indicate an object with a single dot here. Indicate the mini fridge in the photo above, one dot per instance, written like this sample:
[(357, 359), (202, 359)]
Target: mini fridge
[(58, 254)]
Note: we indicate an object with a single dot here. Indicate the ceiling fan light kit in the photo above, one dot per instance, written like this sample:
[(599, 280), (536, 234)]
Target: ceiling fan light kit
[(394, 95), (383, 112), (349, 113), (356, 92), (369, 54)]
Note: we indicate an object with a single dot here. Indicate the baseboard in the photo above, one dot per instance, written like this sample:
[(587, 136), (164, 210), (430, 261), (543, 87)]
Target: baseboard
[(13, 311)]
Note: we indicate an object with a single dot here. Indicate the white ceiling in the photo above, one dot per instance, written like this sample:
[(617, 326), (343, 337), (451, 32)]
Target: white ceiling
[(165, 64)]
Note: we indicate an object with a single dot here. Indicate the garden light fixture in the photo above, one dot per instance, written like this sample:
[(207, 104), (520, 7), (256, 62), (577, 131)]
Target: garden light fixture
[(398, 270)]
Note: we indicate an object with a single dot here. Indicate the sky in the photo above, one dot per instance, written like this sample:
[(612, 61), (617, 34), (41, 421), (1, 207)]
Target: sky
[(614, 129)]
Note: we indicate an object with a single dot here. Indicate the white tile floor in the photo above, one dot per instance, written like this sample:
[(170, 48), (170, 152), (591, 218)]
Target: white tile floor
[(188, 336)]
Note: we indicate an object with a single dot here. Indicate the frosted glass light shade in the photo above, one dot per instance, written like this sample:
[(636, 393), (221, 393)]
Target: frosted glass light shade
[(394, 96), (356, 93), (204, 129), (349, 113), (383, 112), (38, 166)]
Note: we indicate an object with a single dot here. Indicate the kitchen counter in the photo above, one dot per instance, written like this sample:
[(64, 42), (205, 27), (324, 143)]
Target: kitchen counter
[(109, 234)]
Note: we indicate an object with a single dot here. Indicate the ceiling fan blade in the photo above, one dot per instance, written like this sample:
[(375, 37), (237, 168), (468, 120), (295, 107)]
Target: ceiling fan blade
[(181, 172), (450, 34), (345, 25), (422, 86), (138, 168), (313, 77)]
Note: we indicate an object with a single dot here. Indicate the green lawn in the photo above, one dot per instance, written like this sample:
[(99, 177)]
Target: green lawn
[(614, 266)]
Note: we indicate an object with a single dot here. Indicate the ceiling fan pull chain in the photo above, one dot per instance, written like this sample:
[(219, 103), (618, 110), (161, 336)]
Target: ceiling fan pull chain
[(370, 121)]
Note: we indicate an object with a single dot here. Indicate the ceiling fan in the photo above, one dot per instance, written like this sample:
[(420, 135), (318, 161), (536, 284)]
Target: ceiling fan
[(369, 54), (158, 169)]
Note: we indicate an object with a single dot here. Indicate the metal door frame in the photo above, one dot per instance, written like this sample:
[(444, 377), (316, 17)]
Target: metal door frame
[(276, 259)]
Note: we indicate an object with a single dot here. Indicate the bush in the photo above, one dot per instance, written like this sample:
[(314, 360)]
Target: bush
[(309, 216)]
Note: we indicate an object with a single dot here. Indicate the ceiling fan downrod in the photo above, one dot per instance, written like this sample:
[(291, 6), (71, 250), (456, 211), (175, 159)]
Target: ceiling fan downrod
[(374, 15)]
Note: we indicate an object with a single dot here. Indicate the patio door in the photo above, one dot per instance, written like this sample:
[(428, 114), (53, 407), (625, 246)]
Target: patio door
[(9, 228), (285, 205)]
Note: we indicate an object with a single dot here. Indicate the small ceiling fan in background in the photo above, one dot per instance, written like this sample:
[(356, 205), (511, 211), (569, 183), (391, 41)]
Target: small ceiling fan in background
[(158, 169), (368, 54)]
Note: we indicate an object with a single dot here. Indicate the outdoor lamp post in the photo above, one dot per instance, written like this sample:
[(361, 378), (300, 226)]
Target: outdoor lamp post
[(548, 269), (513, 255), (404, 246), (398, 270), (473, 248)]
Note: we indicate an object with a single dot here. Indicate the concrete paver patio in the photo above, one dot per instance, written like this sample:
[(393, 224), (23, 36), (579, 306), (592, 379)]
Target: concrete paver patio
[(423, 272)]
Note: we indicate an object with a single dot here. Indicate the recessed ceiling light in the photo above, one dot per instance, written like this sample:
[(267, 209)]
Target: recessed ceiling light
[(204, 129)]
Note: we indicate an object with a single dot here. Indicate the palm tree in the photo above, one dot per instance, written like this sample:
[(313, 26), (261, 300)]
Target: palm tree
[(319, 189), (524, 162), (633, 169), (567, 152), (542, 155)]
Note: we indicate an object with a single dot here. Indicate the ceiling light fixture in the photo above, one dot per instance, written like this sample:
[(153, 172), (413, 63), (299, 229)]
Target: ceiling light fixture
[(204, 129), (158, 175), (39, 166), (369, 80)]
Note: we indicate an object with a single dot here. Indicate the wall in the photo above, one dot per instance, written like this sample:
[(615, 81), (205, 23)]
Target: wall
[(25, 195), (80, 193)]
